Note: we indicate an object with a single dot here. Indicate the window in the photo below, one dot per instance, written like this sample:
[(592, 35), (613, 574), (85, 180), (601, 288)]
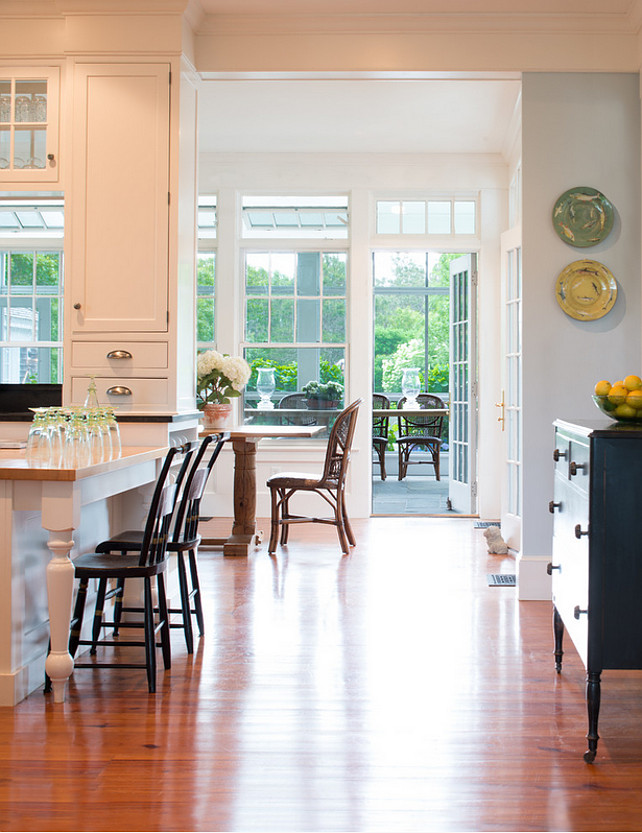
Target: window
[(412, 319), (295, 322), (206, 273), (31, 291), (447, 216)]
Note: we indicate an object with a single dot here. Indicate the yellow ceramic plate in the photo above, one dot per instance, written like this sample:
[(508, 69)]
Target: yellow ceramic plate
[(586, 290)]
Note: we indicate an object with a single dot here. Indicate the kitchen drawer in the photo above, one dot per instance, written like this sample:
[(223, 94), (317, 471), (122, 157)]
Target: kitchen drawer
[(120, 356), (145, 394)]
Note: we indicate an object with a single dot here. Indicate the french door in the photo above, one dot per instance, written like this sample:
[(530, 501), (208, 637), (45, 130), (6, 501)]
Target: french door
[(462, 440), (511, 396)]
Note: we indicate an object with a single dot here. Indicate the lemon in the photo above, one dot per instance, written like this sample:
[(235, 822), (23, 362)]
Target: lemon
[(618, 384), (625, 411), (633, 382), (634, 399), (602, 388), (617, 395)]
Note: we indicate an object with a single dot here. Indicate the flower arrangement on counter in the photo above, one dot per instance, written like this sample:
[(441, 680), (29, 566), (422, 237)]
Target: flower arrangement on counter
[(220, 377)]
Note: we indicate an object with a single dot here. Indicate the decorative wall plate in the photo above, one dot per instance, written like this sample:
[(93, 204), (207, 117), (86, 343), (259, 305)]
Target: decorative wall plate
[(586, 290), (583, 217)]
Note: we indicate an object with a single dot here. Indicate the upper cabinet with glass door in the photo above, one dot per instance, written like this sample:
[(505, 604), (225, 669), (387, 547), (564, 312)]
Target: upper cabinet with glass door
[(29, 124)]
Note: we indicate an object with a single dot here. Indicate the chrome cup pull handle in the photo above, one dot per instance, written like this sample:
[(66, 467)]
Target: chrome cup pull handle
[(119, 354), (119, 390)]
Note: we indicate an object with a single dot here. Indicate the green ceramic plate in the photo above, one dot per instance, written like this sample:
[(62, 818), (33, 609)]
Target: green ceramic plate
[(586, 290), (583, 217)]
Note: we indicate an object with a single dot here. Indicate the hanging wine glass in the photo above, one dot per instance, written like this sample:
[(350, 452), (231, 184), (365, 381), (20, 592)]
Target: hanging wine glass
[(410, 386), (265, 385)]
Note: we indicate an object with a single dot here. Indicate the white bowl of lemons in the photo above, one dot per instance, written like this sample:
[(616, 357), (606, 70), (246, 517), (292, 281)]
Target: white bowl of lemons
[(622, 400)]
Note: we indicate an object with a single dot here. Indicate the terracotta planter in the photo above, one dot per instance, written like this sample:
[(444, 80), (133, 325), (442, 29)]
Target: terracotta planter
[(216, 416)]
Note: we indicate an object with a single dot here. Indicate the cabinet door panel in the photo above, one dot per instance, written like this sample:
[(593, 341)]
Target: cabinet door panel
[(120, 202)]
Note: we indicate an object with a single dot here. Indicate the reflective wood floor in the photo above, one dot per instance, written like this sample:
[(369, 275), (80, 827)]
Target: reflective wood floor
[(390, 690)]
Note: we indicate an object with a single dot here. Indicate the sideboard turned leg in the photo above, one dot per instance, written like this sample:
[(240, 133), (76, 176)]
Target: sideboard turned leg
[(60, 588), (593, 703), (558, 632)]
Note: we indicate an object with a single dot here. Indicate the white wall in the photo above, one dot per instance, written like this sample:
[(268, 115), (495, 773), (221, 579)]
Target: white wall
[(578, 129), (364, 177)]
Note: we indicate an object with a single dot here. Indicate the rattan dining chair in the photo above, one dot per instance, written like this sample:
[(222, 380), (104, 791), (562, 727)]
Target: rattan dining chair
[(380, 426), (417, 432), (299, 402), (184, 542), (330, 484)]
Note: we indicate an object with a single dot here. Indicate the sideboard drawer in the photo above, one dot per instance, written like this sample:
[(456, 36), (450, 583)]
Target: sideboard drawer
[(120, 356), (126, 394)]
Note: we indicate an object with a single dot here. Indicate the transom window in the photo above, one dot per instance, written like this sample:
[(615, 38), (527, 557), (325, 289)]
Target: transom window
[(295, 217), (438, 216)]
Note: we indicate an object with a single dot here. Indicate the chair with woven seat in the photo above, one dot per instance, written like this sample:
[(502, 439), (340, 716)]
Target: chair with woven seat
[(299, 402), (417, 432), (150, 563), (184, 541), (380, 431), (330, 484)]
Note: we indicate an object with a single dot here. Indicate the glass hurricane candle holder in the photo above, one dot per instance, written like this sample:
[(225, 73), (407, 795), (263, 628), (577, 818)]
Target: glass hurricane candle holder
[(411, 385), (265, 386)]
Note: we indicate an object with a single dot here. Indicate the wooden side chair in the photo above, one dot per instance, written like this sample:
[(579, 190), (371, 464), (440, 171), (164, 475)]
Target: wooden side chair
[(150, 564), (184, 542), (420, 433), (380, 431), (330, 484)]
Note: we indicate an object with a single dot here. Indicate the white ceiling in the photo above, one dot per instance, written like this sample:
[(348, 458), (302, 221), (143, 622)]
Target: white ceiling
[(357, 115)]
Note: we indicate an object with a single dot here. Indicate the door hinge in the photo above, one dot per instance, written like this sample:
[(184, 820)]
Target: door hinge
[(169, 198), (168, 317), (473, 489)]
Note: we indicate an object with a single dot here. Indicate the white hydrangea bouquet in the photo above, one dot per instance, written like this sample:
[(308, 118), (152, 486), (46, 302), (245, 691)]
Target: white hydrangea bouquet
[(220, 377)]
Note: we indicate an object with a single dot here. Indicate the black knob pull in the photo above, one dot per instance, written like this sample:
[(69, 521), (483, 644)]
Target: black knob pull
[(77, 306), (552, 506), (574, 467), (579, 531), (577, 611), (559, 455), (550, 567)]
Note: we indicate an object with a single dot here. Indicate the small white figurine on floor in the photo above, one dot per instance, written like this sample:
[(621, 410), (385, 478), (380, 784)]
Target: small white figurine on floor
[(494, 540)]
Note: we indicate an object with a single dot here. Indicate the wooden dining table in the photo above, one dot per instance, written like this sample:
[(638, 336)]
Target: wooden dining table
[(245, 439)]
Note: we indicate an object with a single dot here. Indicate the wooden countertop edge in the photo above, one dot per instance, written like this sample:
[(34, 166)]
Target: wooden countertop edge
[(13, 465)]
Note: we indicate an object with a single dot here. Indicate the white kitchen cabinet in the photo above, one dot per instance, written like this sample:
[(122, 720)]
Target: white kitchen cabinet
[(118, 206), (29, 124)]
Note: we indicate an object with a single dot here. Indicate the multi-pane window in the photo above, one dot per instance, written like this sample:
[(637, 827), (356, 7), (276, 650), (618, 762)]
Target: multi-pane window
[(412, 323), (295, 320), (443, 216), (31, 304), (206, 273)]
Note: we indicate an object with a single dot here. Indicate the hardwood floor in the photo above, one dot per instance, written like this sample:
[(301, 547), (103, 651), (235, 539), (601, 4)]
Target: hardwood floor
[(390, 690)]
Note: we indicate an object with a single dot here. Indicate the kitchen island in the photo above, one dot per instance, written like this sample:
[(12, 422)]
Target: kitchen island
[(49, 515)]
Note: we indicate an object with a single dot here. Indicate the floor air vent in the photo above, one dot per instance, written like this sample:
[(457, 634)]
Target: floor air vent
[(486, 524), (502, 579)]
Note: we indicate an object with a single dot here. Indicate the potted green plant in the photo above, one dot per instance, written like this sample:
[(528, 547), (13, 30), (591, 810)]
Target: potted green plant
[(322, 395)]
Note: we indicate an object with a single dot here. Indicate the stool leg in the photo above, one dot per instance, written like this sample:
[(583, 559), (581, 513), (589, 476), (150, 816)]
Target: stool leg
[(150, 639), (163, 615), (76, 619), (274, 521), (185, 603), (98, 614), (196, 591)]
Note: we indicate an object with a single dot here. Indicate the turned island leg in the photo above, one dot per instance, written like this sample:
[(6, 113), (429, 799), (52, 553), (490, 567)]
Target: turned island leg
[(60, 590)]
